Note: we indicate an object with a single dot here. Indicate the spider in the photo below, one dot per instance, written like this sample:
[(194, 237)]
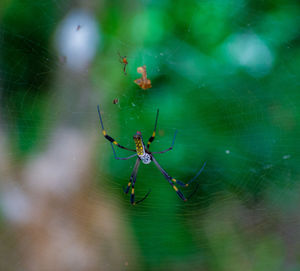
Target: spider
[(123, 60), (143, 154)]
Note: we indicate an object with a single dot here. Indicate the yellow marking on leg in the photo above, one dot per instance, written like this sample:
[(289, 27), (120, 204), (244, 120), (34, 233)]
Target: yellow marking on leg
[(115, 142), (175, 188), (174, 180), (149, 142), (104, 133), (186, 185), (153, 134), (132, 191)]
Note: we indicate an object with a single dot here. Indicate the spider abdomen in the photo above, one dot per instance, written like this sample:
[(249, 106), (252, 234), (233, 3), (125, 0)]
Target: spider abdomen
[(146, 159)]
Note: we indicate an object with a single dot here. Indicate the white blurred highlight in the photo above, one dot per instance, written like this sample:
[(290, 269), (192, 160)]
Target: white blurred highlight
[(77, 39), (16, 205), (250, 52), (60, 169)]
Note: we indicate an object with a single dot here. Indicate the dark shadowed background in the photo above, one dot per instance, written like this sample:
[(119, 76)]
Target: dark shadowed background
[(224, 73)]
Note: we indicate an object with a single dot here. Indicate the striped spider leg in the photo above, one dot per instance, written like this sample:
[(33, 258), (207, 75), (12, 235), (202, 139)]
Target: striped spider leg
[(135, 170), (172, 180), (132, 182), (112, 141)]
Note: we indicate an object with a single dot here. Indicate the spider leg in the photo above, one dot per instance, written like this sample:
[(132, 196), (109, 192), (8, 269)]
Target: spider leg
[(139, 201), (121, 158), (173, 142), (168, 178), (132, 182), (191, 180), (133, 175), (132, 201), (188, 183), (108, 137), (154, 131)]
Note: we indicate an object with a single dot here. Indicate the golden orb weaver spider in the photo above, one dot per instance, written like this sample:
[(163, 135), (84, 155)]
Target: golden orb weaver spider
[(143, 154)]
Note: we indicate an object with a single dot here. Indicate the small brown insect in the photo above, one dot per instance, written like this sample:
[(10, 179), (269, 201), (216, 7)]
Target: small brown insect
[(123, 60), (116, 101), (143, 82)]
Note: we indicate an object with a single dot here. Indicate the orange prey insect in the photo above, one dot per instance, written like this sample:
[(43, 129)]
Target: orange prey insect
[(123, 60)]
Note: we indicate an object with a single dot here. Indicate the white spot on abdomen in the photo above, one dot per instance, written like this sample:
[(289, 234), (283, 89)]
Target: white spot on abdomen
[(146, 159)]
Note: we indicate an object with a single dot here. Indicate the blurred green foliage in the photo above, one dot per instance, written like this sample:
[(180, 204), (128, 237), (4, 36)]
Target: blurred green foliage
[(225, 74), (26, 63)]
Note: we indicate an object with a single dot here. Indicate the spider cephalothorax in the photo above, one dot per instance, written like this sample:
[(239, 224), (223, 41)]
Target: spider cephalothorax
[(143, 154)]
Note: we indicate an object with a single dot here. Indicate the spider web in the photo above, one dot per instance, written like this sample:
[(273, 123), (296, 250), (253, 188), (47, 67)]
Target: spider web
[(224, 74)]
